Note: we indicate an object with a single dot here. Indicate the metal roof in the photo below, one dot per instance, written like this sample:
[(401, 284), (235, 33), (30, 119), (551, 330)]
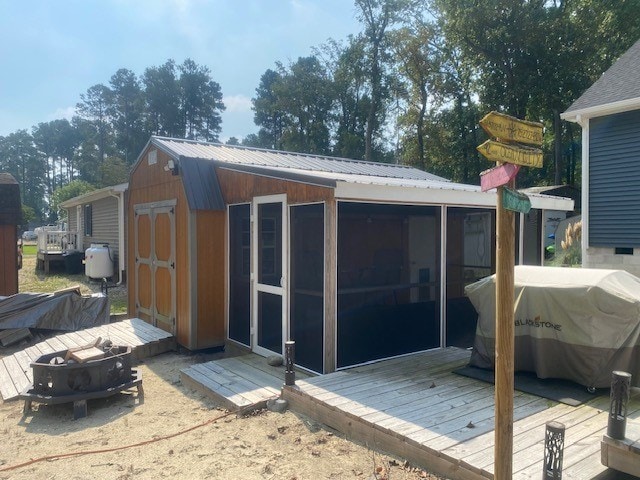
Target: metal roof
[(619, 83), (203, 191), (236, 155), (94, 195)]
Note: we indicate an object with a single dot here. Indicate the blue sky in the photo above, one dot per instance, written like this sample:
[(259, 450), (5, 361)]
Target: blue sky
[(51, 51)]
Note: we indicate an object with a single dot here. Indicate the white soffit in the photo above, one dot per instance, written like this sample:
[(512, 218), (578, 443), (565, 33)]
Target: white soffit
[(439, 196)]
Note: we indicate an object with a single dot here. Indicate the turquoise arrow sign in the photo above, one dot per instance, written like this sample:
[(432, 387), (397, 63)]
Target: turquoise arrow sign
[(515, 201)]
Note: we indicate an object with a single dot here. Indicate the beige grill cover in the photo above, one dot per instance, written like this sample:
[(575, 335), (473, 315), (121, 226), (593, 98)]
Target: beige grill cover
[(576, 324)]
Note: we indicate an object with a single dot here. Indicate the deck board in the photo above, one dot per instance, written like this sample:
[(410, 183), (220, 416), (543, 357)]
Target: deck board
[(242, 382), (449, 428), (15, 370)]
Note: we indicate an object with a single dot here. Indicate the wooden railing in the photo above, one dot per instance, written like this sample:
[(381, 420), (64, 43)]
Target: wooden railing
[(57, 241)]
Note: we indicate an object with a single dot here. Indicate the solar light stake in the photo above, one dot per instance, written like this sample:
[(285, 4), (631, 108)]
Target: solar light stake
[(289, 360), (553, 451), (620, 384)]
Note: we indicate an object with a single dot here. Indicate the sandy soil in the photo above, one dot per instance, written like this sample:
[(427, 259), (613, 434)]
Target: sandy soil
[(265, 445)]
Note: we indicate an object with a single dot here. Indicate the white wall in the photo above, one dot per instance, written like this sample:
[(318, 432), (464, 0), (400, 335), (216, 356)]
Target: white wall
[(605, 257)]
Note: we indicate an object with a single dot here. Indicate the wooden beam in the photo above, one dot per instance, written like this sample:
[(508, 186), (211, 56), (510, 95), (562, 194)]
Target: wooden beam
[(504, 350), (330, 284)]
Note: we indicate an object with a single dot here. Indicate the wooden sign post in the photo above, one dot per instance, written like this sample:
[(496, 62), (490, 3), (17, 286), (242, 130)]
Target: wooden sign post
[(508, 130)]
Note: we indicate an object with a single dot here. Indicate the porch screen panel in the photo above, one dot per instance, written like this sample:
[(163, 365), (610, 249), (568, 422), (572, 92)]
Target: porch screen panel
[(270, 244), (270, 321), (388, 281), (470, 256), (307, 284), (239, 273)]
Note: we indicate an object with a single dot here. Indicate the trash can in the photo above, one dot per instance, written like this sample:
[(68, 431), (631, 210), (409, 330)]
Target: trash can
[(73, 262)]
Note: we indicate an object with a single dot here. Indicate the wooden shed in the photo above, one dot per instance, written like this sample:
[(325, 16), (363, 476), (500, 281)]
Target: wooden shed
[(10, 218), (355, 261)]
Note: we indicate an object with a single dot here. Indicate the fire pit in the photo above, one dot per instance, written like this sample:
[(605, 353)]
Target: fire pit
[(80, 374)]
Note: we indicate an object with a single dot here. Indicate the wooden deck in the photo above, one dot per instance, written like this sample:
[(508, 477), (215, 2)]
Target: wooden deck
[(415, 408), (623, 455), (240, 383), (144, 340)]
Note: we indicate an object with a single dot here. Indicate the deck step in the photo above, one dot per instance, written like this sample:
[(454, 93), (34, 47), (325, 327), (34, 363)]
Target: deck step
[(234, 383)]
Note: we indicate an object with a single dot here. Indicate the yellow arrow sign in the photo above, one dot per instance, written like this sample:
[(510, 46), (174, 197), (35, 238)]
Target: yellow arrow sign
[(511, 129), (498, 152)]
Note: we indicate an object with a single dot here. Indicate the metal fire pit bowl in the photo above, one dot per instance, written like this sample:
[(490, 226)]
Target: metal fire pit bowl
[(56, 380)]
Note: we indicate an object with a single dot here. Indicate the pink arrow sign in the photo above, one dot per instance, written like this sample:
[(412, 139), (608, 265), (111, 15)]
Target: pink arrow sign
[(498, 176)]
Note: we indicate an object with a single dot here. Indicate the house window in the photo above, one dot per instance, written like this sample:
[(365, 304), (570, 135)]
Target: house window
[(623, 251), (88, 222)]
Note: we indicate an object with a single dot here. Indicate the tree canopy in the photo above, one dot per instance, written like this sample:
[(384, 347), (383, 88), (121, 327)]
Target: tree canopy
[(111, 125), (409, 87)]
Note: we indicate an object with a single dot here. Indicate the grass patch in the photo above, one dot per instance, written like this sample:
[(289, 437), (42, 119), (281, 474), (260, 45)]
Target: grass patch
[(32, 280), (29, 250)]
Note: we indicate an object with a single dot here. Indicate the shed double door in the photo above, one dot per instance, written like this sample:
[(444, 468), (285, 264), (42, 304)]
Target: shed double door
[(155, 270)]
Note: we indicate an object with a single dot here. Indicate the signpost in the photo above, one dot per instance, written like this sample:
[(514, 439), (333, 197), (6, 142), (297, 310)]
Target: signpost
[(508, 153), (515, 201), (508, 131), (498, 176)]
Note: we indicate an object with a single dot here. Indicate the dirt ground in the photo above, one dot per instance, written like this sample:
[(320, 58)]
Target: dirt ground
[(205, 441)]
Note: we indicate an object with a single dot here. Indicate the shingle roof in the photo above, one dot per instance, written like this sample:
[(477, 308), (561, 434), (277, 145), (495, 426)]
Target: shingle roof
[(620, 82), (236, 155)]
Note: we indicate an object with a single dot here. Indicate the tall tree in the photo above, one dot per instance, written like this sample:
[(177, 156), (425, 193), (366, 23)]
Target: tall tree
[(294, 107), (306, 96), (56, 141), (94, 107), (126, 110), (532, 58), (201, 102), (19, 157), (162, 95), (86, 156), (419, 64), (377, 16), (268, 113), (347, 65)]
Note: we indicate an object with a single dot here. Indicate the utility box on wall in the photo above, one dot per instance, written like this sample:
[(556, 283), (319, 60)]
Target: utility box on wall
[(10, 218)]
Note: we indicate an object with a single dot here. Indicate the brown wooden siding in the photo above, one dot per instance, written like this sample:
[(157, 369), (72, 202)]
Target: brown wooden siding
[(8, 260), (148, 184), (211, 276), (239, 187)]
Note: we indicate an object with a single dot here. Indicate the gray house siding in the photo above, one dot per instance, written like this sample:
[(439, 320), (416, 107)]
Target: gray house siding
[(72, 221), (614, 180), (104, 225)]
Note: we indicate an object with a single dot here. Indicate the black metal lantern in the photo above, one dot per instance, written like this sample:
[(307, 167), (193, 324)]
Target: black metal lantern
[(289, 360), (620, 386), (553, 451)]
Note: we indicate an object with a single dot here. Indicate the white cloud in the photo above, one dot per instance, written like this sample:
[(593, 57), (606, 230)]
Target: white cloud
[(237, 103), (62, 112)]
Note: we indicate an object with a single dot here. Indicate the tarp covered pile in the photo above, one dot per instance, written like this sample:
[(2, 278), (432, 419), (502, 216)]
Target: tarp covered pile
[(571, 323), (67, 310)]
